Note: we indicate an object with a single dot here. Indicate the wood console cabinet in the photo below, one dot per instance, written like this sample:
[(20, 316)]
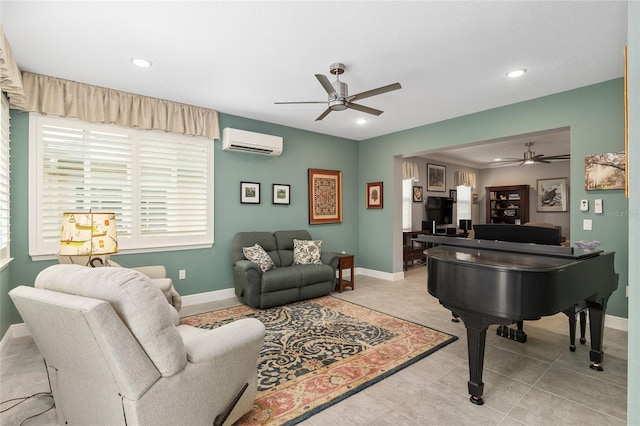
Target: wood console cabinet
[(508, 204)]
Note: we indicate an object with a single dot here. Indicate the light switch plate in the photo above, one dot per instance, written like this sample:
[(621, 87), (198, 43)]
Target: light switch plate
[(587, 225), (597, 206)]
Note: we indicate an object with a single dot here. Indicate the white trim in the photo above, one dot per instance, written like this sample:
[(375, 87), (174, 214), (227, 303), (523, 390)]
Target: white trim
[(387, 276), (207, 297), (13, 332)]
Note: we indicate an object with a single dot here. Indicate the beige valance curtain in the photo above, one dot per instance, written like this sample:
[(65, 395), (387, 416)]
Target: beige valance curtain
[(464, 179), (410, 170), (10, 79), (65, 98)]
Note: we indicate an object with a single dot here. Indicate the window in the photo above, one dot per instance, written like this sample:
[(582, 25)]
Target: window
[(160, 185), (463, 202), (5, 237), (407, 204)]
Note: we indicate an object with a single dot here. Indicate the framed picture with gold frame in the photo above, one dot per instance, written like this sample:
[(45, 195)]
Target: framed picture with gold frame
[(374, 195), (325, 196)]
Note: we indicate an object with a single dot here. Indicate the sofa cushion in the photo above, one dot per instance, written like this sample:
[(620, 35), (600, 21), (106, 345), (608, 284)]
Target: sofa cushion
[(313, 274), (284, 242), (280, 279), (306, 252), (256, 254), (245, 239)]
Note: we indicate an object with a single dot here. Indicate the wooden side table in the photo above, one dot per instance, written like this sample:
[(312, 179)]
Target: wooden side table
[(345, 261)]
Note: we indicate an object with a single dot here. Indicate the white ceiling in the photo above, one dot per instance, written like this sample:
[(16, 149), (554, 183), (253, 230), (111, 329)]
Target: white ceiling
[(239, 57)]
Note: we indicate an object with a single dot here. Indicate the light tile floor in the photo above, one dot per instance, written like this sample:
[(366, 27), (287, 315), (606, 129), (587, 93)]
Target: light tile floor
[(537, 383)]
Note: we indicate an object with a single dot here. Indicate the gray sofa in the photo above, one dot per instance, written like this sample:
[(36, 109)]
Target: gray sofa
[(287, 282)]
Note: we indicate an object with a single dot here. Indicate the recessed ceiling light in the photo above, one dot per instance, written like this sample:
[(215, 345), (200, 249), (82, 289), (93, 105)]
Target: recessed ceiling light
[(140, 62), (497, 159), (361, 121), (516, 73)]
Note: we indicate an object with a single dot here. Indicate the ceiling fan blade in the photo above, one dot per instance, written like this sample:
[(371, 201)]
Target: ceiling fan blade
[(374, 92), (302, 102), (363, 108), (324, 114), (327, 85), (558, 157)]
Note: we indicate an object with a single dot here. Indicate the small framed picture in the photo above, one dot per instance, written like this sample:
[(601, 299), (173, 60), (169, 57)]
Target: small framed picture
[(453, 194), (374, 195), (552, 195), (436, 178), (249, 192), (281, 194), (417, 194)]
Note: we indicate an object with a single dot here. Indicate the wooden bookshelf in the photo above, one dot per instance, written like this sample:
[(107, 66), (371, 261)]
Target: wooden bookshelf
[(508, 204)]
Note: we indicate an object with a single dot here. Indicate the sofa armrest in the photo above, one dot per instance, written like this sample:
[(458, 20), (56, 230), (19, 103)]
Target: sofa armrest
[(247, 265), (329, 258), (238, 337)]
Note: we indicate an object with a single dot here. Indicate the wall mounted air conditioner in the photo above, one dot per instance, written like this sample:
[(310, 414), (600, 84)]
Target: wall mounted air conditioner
[(254, 143)]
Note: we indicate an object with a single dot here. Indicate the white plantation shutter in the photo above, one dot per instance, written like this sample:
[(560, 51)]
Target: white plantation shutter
[(407, 208), (4, 183), (158, 184)]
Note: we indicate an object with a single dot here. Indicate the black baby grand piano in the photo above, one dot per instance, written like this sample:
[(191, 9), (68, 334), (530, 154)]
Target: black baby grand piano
[(499, 283)]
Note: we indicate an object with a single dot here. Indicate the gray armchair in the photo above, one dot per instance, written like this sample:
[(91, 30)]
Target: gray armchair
[(115, 356)]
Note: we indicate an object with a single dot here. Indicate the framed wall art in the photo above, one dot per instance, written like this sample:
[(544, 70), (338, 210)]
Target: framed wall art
[(325, 196), (604, 171), (552, 195), (374, 195), (436, 178), (417, 194), (453, 194), (281, 194), (249, 192)]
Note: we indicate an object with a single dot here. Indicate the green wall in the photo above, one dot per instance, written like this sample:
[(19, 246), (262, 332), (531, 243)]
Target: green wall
[(210, 269), (595, 117), (593, 113)]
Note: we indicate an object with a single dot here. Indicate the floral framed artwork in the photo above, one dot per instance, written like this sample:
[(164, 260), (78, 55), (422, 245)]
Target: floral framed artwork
[(436, 178), (281, 194), (374, 195), (552, 195), (604, 171), (325, 196), (417, 194), (249, 193)]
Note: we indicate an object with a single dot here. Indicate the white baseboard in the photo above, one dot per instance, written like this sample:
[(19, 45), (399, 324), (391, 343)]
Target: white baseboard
[(387, 276), (209, 296), (14, 331)]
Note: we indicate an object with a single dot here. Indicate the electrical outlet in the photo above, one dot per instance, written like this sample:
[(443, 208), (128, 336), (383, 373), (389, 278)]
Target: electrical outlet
[(182, 274)]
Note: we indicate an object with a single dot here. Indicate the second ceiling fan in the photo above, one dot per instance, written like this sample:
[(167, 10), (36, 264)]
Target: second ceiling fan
[(339, 98), (530, 157)]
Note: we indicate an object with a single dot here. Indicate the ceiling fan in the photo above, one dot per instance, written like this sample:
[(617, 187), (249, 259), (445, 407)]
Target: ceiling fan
[(339, 99), (530, 157)]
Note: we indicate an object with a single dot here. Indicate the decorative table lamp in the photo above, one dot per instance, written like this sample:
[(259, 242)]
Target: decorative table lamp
[(88, 234)]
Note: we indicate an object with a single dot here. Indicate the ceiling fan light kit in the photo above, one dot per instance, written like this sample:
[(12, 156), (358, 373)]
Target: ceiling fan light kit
[(338, 94)]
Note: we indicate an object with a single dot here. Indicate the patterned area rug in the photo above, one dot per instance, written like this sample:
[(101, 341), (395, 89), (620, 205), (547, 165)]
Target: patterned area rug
[(321, 351)]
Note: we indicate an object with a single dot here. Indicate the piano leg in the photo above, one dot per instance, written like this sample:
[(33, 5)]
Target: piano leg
[(476, 339), (596, 328), (571, 314), (583, 326)]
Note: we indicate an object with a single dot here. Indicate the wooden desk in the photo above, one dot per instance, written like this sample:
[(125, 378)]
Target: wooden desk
[(413, 250), (345, 261)]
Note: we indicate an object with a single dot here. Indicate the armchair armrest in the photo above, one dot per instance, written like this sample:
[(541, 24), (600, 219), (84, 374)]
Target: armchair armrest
[(240, 337), (152, 272)]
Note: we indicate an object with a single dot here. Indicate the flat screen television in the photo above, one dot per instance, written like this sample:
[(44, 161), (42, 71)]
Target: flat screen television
[(440, 210)]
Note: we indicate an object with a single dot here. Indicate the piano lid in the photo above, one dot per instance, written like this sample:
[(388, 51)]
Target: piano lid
[(527, 248)]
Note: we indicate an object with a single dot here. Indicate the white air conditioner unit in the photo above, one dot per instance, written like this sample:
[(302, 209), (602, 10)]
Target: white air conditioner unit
[(254, 143)]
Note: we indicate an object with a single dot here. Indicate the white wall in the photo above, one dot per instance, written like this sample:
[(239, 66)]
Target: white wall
[(528, 175), (517, 175)]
